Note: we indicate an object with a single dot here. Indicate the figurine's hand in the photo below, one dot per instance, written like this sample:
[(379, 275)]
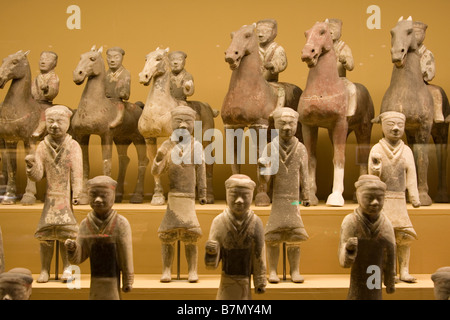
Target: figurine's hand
[(260, 290), (269, 66), (390, 288), (127, 288), (202, 200), (70, 245), (376, 163), (211, 247), (416, 204), (75, 201), (306, 203), (44, 88), (30, 160), (352, 245)]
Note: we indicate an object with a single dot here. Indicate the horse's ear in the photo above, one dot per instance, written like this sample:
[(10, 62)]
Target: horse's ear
[(327, 21), (409, 18), (26, 53), (100, 50), (400, 19), (232, 35), (93, 47), (167, 49)]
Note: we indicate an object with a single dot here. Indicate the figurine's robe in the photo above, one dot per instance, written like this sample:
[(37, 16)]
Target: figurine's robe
[(398, 171), (108, 245), (242, 252), (49, 80), (376, 247), (63, 169), (292, 174), (177, 84), (276, 55), (118, 84)]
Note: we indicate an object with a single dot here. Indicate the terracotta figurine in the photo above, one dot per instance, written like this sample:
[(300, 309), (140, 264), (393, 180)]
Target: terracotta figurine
[(367, 243), (58, 158), (117, 82), (185, 164), (285, 224), (16, 284), (441, 281), (181, 81), (237, 239), (272, 54), (345, 62), (105, 238), (2, 254), (393, 162)]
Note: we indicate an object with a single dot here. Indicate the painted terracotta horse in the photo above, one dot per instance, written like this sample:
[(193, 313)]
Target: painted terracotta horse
[(408, 93), (19, 118), (156, 120), (250, 98), (94, 115), (324, 103)]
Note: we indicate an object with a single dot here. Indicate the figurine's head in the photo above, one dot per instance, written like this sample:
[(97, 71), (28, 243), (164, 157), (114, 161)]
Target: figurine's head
[(441, 281), (183, 118), (101, 192), (419, 31), (177, 61), (335, 27), (239, 193), (114, 57), (393, 125), (370, 192), (16, 284), (285, 120), (57, 121), (47, 61), (266, 30)]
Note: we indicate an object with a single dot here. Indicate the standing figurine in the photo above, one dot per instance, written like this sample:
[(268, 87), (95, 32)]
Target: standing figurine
[(181, 81), (59, 159), (184, 161), (16, 284), (393, 161), (236, 238), (367, 243), (345, 62), (117, 83), (428, 69), (105, 238), (45, 86), (272, 54), (285, 224)]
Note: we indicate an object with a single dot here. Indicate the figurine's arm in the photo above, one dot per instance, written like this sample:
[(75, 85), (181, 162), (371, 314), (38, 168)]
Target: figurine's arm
[(188, 85), (348, 245), (34, 166), (411, 178), (160, 161), (265, 164), (124, 86), (259, 258), (78, 250), (390, 268), (200, 171), (304, 176), (375, 163), (346, 58), (76, 172), (278, 63), (428, 66), (125, 250), (212, 246), (51, 88)]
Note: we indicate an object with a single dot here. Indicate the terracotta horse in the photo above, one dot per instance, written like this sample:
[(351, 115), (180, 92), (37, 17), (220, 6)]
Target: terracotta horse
[(324, 104), (250, 98), (156, 117), (93, 117), (19, 118), (407, 93)]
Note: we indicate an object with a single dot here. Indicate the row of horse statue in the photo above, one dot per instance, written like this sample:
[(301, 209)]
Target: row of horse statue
[(248, 103)]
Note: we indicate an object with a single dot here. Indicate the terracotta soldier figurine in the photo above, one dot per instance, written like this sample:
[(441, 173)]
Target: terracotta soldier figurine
[(117, 82), (59, 159), (181, 81), (367, 243), (16, 284), (441, 281), (272, 54), (393, 162), (185, 164), (236, 238), (285, 224), (345, 62), (45, 86), (428, 68), (105, 238)]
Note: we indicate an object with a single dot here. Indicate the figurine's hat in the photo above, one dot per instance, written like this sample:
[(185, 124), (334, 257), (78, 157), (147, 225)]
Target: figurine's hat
[(102, 181), (116, 49), (58, 109), (183, 110), (368, 181), (420, 25), (392, 114), (17, 275), (240, 181), (284, 112)]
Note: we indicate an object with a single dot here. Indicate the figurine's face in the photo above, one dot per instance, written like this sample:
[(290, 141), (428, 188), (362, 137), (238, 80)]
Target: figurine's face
[(265, 33), (101, 200), (177, 62), (393, 128), (183, 121), (239, 200), (287, 126), (419, 33), (57, 125), (114, 59), (370, 200), (335, 30), (47, 62)]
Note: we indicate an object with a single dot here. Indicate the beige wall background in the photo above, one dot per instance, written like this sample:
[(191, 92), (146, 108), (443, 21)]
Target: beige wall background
[(202, 29)]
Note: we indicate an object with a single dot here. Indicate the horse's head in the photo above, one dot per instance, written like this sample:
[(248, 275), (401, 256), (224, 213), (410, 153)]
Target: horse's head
[(14, 66), (403, 40), (243, 42), (156, 63), (318, 41), (91, 64)]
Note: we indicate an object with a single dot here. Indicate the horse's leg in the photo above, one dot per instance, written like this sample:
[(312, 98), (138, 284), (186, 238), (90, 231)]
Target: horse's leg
[(440, 138), (339, 134), (310, 141), (107, 141), (138, 195), (158, 198), (4, 171), (29, 197), (84, 144), (124, 160), (11, 163), (235, 166), (261, 198)]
